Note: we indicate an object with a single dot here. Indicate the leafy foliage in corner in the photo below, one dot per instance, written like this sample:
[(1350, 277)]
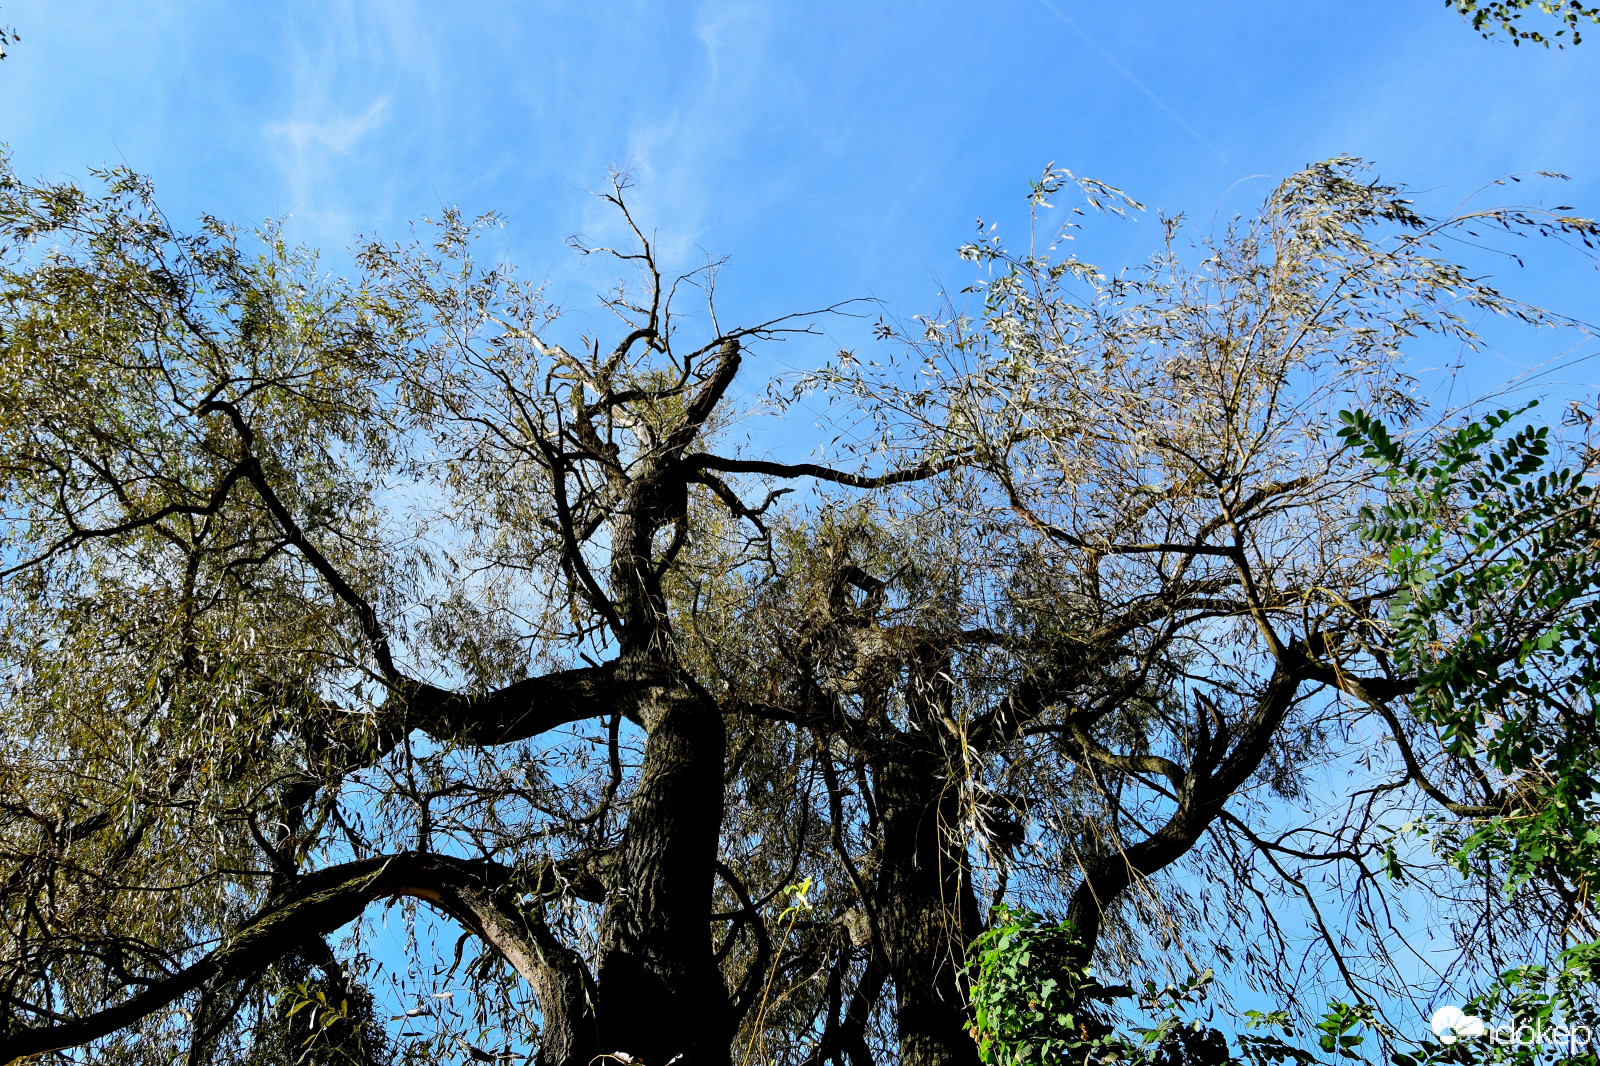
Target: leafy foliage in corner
[(1549, 1001), (1505, 16), (1498, 619)]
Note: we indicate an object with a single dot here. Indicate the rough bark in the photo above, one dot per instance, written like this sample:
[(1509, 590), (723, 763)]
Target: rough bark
[(926, 911), (660, 992), (661, 995)]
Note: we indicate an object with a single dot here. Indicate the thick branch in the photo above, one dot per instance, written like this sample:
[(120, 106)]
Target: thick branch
[(920, 472), (1200, 803), (528, 707), (478, 893)]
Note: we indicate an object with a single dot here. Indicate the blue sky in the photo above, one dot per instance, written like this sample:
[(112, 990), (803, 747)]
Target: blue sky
[(833, 150)]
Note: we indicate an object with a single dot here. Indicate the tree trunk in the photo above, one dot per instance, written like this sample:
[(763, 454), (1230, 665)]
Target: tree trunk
[(926, 910), (661, 995)]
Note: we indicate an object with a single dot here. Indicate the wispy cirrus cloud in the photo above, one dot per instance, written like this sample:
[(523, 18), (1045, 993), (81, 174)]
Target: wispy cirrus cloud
[(311, 152), (678, 148), (350, 92), (336, 133)]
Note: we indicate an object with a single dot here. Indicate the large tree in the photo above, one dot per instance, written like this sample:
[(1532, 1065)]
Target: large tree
[(248, 702), (326, 594), (1131, 633)]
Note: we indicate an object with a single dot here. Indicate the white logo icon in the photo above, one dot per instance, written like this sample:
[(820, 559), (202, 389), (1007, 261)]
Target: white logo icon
[(1452, 1023)]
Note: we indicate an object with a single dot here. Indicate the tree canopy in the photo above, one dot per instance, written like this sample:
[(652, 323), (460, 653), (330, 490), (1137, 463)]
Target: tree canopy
[(1491, 17), (333, 597)]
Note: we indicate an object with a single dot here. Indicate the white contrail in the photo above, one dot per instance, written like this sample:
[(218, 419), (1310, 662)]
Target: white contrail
[(1126, 73)]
